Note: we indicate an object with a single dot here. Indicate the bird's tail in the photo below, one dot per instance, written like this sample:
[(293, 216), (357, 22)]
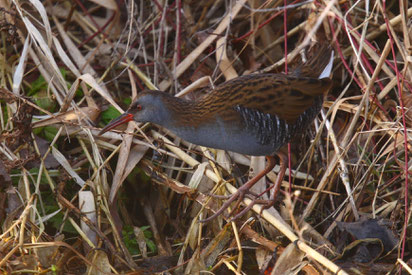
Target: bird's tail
[(319, 63)]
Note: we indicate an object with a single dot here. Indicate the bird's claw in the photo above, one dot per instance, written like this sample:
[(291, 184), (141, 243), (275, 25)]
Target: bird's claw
[(249, 194), (244, 191), (267, 204), (238, 196)]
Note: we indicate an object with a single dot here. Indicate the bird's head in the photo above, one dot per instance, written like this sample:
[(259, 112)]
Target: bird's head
[(149, 106)]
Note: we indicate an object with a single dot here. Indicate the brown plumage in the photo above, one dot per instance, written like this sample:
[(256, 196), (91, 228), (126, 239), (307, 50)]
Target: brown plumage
[(284, 96)]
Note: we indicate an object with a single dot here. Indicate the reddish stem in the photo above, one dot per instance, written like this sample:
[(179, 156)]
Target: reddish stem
[(285, 33), (343, 59), (178, 31), (398, 76), (263, 24), (99, 29)]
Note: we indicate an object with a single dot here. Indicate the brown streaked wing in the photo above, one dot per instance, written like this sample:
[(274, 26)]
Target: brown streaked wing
[(285, 96)]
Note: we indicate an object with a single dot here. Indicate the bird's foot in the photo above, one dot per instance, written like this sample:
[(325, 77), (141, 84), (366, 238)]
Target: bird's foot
[(249, 194), (244, 191), (267, 204), (238, 196)]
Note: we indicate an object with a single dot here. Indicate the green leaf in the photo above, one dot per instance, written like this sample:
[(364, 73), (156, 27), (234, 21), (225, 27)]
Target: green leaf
[(127, 101), (47, 132), (37, 85), (110, 114), (130, 240)]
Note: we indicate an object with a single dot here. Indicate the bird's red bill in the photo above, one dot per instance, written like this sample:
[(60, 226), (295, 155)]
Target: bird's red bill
[(126, 117)]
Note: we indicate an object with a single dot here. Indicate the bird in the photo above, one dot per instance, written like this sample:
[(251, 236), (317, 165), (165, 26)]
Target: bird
[(253, 114)]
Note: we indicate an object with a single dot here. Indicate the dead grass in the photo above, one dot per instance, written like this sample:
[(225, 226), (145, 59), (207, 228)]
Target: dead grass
[(73, 202)]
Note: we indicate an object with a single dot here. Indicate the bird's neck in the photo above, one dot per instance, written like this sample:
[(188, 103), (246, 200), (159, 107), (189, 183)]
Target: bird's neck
[(176, 112), (193, 121)]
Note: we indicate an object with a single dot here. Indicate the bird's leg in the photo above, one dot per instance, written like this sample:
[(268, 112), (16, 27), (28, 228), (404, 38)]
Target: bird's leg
[(240, 193), (283, 160), (267, 204)]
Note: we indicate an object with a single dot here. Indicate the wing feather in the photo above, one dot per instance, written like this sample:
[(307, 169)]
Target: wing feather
[(284, 96)]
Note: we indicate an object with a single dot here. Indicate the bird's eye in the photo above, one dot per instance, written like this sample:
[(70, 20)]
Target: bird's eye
[(138, 107)]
